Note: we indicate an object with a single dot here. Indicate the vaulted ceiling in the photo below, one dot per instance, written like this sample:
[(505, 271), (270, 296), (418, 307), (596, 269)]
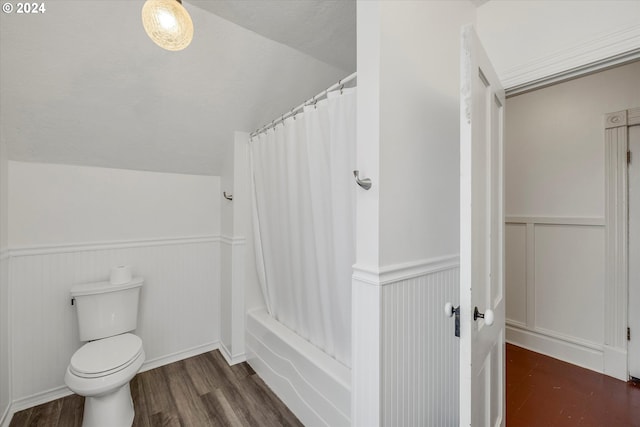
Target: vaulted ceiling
[(83, 84)]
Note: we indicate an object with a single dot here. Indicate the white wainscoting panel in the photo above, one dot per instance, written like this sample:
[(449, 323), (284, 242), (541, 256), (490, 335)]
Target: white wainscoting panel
[(232, 299), (366, 344), (569, 274), (516, 272), (5, 375), (226, 284), (555, 284), (419, 351), (179, 306)]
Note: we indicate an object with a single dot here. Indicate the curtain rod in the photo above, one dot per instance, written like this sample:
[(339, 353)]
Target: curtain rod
[(295, 110)]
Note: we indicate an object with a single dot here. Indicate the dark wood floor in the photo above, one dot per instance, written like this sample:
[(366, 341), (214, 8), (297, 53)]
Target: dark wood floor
[(199, 391), (546, 392), (205, 391)]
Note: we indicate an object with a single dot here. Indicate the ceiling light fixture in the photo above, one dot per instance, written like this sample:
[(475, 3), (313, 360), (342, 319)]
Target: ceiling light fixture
[(167, 23)]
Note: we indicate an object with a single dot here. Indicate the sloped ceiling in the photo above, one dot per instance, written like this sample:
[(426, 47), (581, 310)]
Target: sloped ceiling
[(82, 83), (323, 29)]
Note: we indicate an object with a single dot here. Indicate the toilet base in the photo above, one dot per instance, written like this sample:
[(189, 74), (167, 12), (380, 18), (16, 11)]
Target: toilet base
[(109, 410)]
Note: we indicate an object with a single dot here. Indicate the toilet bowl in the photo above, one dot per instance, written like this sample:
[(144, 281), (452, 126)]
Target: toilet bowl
[(101, 370)]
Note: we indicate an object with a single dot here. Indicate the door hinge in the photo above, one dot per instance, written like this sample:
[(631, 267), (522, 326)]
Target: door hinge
[(628, 334), (628, 156)]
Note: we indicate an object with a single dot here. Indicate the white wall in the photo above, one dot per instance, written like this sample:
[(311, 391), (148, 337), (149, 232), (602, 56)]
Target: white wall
[(407, 224), (70, 224), (54, 204), (419, 129), (555, 207), (531, 39)]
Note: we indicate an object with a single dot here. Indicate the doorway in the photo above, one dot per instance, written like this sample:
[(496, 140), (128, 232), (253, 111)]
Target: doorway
[(566, 291)]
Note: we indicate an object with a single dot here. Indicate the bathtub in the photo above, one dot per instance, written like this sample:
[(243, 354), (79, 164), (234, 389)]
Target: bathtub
[(315, 386)]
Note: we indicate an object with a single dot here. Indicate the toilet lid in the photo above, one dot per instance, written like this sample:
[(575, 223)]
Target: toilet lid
[(106, 355)]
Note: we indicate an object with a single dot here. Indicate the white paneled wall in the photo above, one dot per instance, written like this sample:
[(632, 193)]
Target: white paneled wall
[(5, 377), (569, 280), (555, 287), (178, 315), (415, 380), (420, 351)]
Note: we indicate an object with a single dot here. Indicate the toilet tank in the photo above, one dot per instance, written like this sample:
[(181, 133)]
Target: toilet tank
[(105, 310)]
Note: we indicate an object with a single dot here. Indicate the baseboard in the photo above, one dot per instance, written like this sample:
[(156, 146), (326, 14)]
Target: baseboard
[(231, 359), (615, 363), (556, 347), (39, 398), (6, 417), (180, 355)]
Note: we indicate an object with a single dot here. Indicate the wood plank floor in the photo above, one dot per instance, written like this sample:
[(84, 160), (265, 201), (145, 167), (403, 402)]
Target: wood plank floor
[(199, 391), (205, 391), (546, 392)]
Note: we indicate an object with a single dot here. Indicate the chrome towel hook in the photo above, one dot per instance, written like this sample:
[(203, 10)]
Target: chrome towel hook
[(364, 183), (227, 196)]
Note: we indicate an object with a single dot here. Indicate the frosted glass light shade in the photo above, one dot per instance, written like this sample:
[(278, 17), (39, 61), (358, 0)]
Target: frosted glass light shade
[(167, 23)]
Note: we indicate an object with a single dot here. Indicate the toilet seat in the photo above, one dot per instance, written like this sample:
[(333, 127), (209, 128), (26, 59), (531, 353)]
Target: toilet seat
[(106, 356)]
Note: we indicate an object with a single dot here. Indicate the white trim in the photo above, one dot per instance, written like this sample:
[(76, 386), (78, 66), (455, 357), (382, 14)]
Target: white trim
[(39, 398), (615, 363), (591, 345), (588, 356), (231, 358), (7, 416), (97, 246), (530, 274), (633, 116), (515, 323), (555, 220), (232, 241), (404, 271), (616, 245), (179, 355), (4, 254), (598, 53)]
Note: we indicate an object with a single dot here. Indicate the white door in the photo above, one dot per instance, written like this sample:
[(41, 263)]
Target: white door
[(634, 251), (482, 368)]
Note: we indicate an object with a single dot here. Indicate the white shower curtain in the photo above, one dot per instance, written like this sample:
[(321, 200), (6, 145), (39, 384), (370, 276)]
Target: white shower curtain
[(304, 207)]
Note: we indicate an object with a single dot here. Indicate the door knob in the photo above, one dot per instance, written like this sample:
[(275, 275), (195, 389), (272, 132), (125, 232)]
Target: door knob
[(487, 316), (449, 311)]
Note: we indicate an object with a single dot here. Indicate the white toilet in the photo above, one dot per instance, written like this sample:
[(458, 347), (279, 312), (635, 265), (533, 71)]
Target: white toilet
[(102, 368)]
